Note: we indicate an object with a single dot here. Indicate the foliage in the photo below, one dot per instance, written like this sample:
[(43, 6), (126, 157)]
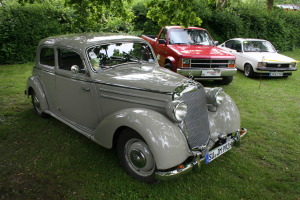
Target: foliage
[(105, 15), (22, 27), (169, 12), (141, 22), (253, 21)]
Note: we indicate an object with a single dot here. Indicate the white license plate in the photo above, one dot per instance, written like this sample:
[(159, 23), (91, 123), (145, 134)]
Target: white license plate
[(276, 74), (213, 154), (215, 72)]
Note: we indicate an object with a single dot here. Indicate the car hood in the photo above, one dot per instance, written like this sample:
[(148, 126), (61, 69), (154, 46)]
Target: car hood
[(201, 51), (270, 57), (137, 76)]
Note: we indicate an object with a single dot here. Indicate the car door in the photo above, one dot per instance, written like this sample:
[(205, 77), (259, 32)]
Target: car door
[(76, 99), (46, 64), (162, 49), (239, 62)]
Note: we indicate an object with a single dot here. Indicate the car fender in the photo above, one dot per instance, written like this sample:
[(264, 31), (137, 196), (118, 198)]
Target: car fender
[(33, 83), (171, 60), (166, 141), (225, 120)]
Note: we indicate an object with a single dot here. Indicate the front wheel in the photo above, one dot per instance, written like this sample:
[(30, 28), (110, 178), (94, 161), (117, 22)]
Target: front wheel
[(169, 66), (136, 156), (37, 105), (225, 81), (248, 71)]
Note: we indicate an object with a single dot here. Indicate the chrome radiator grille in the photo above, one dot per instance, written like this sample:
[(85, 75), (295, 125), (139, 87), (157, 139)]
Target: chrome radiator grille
[(197, 118), (209, 63)]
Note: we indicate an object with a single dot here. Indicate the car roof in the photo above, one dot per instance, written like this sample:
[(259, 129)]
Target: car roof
[(180, 27), (248, 39), (84, 40)]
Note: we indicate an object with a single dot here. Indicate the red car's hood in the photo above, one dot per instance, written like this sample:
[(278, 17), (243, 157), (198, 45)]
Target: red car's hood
[(201, 51)]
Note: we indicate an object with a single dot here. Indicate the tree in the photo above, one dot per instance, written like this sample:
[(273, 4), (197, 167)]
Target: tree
[(170, 12)]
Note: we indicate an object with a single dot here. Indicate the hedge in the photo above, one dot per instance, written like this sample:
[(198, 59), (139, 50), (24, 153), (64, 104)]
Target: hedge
[(22, 27)]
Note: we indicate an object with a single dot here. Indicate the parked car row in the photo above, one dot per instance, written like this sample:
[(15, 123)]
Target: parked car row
[(115, 90), (193, 53)]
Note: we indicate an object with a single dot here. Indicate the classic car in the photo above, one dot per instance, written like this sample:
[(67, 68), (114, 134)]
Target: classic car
[(259, 57), (111, 89)]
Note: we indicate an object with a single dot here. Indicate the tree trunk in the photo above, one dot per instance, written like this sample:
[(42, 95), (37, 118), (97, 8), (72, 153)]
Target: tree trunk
[(270, 4)]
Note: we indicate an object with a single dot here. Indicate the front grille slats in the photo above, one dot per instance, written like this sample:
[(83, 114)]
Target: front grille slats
[(196, 121), (278, 65), (209, 63)]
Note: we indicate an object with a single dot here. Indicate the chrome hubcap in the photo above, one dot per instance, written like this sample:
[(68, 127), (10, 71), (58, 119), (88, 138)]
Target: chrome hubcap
[(36, 102), (137, 158)]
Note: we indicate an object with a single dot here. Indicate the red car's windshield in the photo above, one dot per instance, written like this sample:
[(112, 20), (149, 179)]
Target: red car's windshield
[(190, 37)]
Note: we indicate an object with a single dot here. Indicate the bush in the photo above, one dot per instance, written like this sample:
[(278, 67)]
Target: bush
[(278, 26), (22, 27)]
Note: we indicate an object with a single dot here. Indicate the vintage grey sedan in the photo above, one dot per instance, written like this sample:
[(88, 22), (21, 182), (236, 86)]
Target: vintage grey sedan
[(111, 89)]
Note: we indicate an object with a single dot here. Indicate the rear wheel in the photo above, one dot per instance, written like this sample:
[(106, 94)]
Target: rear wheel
[(37, 105), (248, 71), (225, 81), (136, 156)]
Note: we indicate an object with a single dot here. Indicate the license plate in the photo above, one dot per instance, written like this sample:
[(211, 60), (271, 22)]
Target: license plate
[(276, 74), (215, 72), (213, 154)]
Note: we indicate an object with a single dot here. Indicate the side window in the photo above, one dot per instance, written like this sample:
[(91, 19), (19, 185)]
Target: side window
[(68, 58), (163, 35), (229, 44), (238, 46), (47, 56)]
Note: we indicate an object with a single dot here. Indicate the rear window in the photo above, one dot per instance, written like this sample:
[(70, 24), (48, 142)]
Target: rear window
[(47, 56)]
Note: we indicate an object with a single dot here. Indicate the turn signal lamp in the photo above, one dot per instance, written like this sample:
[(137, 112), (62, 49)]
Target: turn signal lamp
[(185, 62), (231, 63)]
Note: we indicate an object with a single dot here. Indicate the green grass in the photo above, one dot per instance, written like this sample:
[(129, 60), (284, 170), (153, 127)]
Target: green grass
[(45, 159)]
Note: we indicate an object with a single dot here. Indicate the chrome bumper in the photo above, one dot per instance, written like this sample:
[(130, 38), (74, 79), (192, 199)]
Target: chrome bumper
[(198, 160), (197, 72)]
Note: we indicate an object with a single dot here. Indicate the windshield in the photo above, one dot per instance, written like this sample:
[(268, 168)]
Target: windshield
[(190, 36), (258, 46), (108, 55)]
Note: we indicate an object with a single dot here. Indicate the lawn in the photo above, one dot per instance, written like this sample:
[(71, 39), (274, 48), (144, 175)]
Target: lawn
[(45, 159)]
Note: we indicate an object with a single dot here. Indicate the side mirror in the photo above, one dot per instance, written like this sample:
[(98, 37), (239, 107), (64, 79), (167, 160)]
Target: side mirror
[(75, 69), (162, 41), (216, 42)]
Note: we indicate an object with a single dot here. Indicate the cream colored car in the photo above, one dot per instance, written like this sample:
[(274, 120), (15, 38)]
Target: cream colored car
[(111, 89), (258, 57)]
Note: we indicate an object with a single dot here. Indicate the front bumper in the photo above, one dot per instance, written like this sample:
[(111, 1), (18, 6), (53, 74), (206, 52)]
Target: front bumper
[(198, 72), (199, 159)]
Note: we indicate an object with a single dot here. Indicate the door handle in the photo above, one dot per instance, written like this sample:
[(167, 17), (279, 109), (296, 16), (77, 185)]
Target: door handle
[(86, 89)]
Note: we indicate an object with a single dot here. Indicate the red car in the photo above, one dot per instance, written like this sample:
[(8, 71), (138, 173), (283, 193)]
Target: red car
[(192, 52)]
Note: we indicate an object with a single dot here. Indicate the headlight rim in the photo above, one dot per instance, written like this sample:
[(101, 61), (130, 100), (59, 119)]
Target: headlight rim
[(173, 109)]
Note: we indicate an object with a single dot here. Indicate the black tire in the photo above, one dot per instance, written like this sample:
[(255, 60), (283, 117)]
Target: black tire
[(169, 66), (37, 106), (248, 71), (225, 81), (136, 157)]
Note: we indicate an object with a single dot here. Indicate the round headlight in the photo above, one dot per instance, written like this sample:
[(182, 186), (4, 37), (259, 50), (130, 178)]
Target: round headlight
[(177, 110), (220, 96), (215, 96)]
